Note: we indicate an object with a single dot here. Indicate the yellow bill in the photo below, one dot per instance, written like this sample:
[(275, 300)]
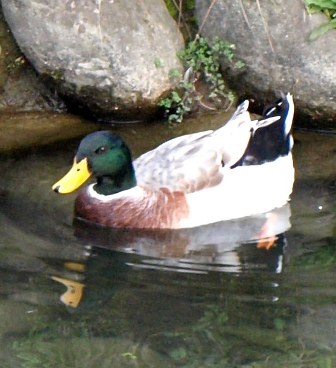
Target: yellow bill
[(77, 175)]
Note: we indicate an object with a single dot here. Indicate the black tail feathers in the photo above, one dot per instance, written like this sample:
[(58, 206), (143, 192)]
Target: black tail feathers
[(274, 140)]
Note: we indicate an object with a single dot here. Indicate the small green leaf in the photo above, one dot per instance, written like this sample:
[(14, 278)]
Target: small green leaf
[(158, 62), (174, 73), (322, 29), (176, 97)]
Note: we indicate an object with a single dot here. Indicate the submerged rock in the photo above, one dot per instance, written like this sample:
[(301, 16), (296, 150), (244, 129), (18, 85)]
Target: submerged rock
[(29, 130), (272, 39), (111, 58)]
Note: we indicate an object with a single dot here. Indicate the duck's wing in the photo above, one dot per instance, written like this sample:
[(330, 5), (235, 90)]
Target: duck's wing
[(186, 163), (195, 161)]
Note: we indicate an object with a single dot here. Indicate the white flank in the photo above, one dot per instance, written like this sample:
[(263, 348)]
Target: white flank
[(244, 191)]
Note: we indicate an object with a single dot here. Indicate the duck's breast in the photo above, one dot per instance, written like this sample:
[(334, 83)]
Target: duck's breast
[(133, 208)]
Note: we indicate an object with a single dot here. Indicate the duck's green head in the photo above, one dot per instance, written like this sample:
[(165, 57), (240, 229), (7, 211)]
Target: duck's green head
[(105, 156)]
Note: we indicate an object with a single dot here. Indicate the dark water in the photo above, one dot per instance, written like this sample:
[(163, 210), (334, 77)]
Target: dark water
[(77, 296)]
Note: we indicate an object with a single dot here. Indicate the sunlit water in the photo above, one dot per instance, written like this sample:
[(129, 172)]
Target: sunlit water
[(72, 295)]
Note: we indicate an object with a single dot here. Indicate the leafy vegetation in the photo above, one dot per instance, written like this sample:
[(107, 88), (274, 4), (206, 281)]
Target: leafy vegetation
[(202, 64), (202, 85), (16, 64), (328, 7)]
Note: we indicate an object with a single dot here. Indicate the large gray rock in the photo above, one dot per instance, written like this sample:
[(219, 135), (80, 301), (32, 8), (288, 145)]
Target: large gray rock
[(273, 42), (110, 57), (20, 88)]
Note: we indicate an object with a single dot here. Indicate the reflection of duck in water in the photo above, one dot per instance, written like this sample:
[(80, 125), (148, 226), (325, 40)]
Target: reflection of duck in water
[(241, 169), (222, 246), (227, 246)]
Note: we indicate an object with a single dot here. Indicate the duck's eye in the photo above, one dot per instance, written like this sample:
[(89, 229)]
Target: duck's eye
[(101, 150)]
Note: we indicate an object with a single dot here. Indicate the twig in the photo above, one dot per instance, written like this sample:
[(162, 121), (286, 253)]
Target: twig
[(99, 21), (180, 13), (265, 27), (181, 16), (206, 17), (206, 106), (244, 14)]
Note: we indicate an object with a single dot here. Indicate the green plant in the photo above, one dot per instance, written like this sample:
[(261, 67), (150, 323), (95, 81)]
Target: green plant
[(176, 106), (16, 64), (202, 63), (328, 7)]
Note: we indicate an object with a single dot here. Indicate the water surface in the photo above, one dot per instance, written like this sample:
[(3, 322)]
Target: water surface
[(72, 295)]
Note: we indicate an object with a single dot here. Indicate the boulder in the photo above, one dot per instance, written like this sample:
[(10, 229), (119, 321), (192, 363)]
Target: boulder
[(20, 87), (272, 39), (111, 58)]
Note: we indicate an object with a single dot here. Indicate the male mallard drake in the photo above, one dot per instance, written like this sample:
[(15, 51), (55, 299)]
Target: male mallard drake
[(242, 169)]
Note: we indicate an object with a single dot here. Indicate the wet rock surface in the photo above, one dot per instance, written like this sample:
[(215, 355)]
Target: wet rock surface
[(33, 129)]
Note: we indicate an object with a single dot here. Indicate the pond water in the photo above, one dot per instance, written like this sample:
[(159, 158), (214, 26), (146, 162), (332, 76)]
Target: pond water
[(77, 296)]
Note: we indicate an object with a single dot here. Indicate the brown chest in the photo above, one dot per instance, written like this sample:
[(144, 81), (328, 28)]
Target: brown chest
[(159, 209)]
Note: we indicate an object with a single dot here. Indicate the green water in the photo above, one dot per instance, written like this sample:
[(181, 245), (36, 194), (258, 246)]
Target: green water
[(202, 298)]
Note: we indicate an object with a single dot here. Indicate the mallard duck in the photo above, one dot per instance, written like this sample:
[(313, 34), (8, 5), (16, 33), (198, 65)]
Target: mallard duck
[(242, 169)]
